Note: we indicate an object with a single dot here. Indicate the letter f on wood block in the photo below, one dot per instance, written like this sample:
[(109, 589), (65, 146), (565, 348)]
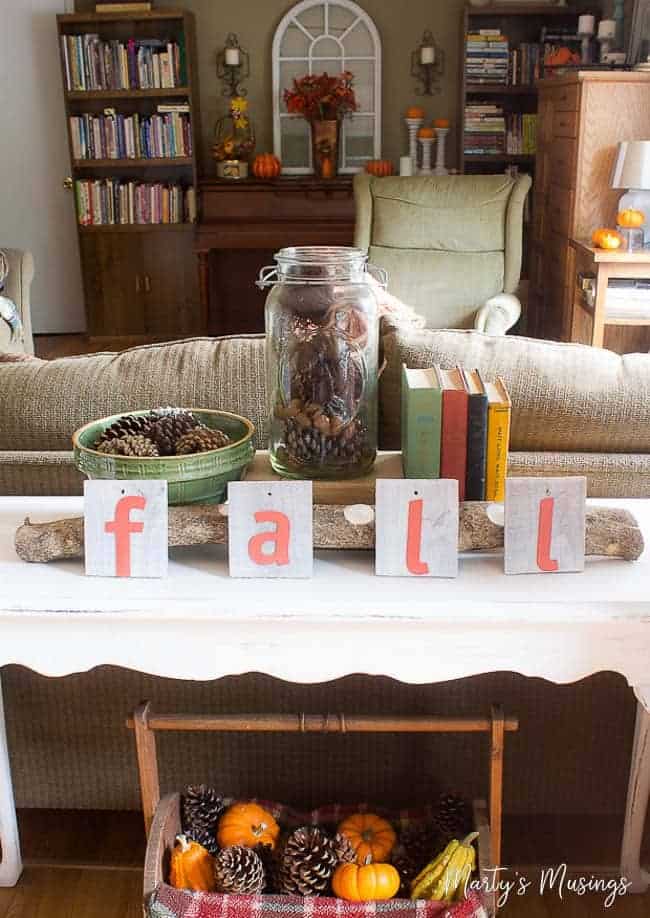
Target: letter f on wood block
[(270, 529), (125, 528), (545, 525), (416, 529)]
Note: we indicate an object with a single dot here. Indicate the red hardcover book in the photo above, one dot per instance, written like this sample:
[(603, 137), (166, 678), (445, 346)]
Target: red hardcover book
[(453, 434)]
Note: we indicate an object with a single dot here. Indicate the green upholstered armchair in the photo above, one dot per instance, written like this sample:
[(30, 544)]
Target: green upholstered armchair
[(451, 244)]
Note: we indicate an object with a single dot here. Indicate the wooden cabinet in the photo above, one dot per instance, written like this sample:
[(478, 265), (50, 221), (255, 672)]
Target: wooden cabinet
[(140, 284), (582, 118)]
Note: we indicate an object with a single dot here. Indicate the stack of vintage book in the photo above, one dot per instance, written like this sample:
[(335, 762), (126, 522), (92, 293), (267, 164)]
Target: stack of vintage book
[(486, 57), (456, 425)]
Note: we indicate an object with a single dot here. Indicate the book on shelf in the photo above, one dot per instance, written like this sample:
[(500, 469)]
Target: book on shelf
[(111, 135), (490, 130), (114, 202), (498, 436), (477, 416), (490, 58), (421, 409), (453, 428), (135, 6), (456, 425), (91, 63)]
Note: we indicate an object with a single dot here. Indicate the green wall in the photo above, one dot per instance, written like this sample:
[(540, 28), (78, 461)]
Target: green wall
[(400, 24)]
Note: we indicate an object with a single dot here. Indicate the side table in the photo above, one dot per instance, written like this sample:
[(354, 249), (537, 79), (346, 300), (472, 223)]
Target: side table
[(588, 322)]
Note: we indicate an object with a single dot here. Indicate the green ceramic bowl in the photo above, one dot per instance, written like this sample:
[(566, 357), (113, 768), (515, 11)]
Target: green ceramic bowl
[(201, 477)]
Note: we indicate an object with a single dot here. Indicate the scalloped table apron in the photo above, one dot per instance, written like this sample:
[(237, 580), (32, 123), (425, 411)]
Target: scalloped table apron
[(560, 627)]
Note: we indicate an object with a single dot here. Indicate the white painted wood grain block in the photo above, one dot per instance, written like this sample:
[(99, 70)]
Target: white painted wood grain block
[(270, 529), (545, 525), (416, 528), (125, 528)]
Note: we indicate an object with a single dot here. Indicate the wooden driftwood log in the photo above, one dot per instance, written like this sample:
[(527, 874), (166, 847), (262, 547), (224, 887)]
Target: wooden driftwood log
[(610, 533)]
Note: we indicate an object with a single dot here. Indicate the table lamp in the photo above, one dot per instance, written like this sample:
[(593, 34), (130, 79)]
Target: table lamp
[(632, 171)]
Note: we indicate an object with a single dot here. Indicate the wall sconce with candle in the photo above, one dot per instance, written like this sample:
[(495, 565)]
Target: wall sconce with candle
[(427, 65), (233, 66)]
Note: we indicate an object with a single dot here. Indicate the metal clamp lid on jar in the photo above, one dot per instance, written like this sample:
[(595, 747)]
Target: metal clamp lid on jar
[(334, 262)]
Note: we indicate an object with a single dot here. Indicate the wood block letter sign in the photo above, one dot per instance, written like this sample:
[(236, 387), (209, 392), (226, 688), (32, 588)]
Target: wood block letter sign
[(270, 529), (416, 529), (125, 528), (545, 525)]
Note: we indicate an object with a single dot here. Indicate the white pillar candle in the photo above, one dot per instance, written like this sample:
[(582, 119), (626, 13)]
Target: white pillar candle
[(232, 57), (405, 165), (586, 24), (427, 54), (606, 28)]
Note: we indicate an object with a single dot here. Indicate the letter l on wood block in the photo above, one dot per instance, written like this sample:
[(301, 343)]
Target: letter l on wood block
[(416, 527), (125, 528), (545, 525), (270, 529)]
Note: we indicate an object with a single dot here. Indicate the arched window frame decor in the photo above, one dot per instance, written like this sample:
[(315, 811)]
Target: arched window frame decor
[(312, 66)]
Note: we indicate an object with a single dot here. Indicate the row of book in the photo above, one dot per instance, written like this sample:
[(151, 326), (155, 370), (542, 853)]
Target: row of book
[(111, 201), (488, 130), (456, 425), (487, 58), (93, 64), (167, 134)]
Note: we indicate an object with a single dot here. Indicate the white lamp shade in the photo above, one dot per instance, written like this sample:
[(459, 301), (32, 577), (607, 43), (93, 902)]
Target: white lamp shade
[(632, 166)]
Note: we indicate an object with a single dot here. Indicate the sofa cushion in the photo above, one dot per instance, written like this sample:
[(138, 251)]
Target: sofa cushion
[(566, 397), (42, 402)]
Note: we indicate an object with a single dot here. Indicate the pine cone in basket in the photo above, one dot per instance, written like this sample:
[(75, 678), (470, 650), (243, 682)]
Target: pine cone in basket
[(419, 844), (167, 428), (200, 440), (204, 838), (309, 860), (201, 807), (239, 870), (453, 817), (271, 864), (130, 445), (129, 425)]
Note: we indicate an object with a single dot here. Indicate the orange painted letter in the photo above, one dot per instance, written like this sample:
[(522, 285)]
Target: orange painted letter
[(544, 532), (280, 555), (414, 539), (122, 526)]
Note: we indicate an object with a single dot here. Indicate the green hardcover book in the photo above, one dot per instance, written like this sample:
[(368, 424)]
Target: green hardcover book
[(421, 420)]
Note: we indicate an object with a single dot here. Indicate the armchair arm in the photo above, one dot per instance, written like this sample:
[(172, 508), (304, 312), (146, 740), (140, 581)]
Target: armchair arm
[(498, 314)]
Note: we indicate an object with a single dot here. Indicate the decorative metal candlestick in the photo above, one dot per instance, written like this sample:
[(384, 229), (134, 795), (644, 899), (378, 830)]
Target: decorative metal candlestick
[(441, 137), (426, 144), (413, 125)]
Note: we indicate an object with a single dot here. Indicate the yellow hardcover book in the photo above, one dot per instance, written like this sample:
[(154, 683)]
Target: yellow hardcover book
[(498, 438)]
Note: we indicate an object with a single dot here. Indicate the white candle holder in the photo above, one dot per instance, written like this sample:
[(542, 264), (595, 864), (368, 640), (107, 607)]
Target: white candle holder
[(413, 125), (426, 144), (441, 137)]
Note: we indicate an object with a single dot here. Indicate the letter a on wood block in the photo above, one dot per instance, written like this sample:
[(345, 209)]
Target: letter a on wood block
[(125, 528), (545, 525), (270, 529), (416, 528)]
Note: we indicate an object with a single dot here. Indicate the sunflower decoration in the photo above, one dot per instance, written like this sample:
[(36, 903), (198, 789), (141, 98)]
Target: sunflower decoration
[(234, 136)]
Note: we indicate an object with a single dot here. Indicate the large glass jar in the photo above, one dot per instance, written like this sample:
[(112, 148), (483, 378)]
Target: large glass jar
[(321, 358)]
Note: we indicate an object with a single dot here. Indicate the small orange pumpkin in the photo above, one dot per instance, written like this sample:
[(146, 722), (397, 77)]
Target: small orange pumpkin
[(426, 133), (247, 824), (415, 111), (605, 238), (630, 218), (365, 882), (379, 167), (266, 165), (370, 836), (191, 867)]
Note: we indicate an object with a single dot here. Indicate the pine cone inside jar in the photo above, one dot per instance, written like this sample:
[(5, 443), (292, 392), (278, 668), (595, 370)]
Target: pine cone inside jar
[(201, 807), (167, 428), (130, 445), (129, 425), (200, 440), (239, 870), (309, 859)]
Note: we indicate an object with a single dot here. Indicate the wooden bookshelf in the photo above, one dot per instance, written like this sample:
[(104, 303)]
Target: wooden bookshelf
[(139, 279)]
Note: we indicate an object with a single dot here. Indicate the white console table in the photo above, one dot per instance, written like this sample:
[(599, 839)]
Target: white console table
[(201, 624)]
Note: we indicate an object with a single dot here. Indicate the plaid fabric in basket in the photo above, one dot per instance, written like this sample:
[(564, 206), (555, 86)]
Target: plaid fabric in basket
[(167, 902)]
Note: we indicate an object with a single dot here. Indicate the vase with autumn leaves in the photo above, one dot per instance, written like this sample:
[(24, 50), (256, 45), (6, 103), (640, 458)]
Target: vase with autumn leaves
[(324, 101)]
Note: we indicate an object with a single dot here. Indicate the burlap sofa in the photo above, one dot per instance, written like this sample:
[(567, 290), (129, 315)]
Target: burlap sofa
[(576, 410)]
